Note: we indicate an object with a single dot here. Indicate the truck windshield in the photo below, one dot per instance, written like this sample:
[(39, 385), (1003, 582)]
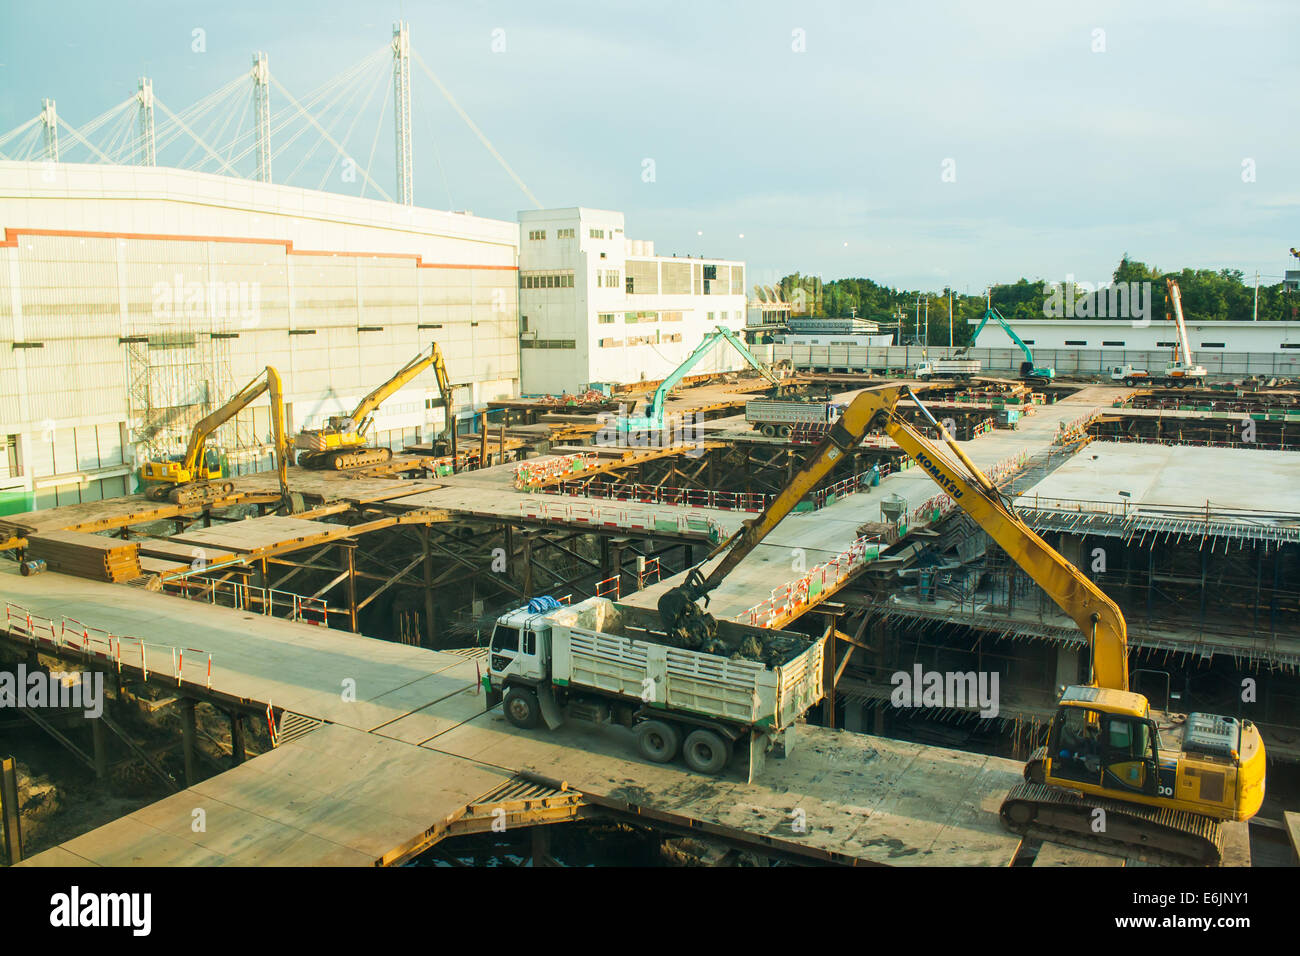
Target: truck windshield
[(505, 638)]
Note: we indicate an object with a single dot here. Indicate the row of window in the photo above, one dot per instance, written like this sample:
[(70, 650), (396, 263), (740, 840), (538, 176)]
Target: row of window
[(1159, 345), (607, 278), (538, 235), (640, 340), (546, 280), (527, 343)]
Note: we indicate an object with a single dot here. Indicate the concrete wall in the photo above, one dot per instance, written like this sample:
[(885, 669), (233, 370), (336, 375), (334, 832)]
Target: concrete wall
[(1007, 360), (134, 300)]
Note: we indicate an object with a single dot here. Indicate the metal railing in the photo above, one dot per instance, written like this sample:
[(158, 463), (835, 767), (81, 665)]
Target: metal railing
[(249, 597), (97, 644)]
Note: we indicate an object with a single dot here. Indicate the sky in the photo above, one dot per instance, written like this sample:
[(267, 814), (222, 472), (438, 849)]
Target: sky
[(923, 145)]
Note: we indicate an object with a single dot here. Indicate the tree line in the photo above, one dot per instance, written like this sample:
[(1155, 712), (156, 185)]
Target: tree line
[(1207, 296)]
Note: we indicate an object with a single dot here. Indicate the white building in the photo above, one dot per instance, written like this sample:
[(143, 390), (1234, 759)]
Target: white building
[(595, 306), (133, 300), (1122, 334)]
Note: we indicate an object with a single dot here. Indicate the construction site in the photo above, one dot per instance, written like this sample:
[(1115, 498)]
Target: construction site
[(222, 624), (306, 559)]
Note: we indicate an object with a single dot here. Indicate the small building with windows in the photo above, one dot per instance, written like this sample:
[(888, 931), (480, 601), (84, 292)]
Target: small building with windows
[(596, 306)]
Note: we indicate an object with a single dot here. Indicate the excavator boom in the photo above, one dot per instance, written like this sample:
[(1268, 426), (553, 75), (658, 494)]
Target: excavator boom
[(1097, 616)]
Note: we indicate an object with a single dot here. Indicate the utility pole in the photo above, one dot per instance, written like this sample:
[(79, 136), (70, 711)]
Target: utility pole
[(262, 104), (926, 341), (402, 111), (950, 318), (1256, 314), (148, 148)]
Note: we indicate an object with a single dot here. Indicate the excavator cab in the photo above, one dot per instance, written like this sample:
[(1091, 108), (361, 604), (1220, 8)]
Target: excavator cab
[(1115, 750)]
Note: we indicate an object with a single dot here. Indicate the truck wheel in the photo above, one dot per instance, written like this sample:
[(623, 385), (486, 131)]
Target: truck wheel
[(521, 708), (1128, 382), (769, 431), (705, 751), (657, 741), (784, 431)]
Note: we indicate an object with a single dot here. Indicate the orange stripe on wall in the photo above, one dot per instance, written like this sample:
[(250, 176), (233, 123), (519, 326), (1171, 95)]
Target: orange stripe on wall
[(11, 240)]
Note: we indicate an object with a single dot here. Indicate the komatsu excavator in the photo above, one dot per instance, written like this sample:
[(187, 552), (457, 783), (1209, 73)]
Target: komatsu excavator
[(196, 477), (341, 443), (1164, 782)]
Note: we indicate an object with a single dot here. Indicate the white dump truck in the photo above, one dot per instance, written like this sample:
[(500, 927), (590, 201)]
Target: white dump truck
[(961, 369), (778, 419), (592, 661)]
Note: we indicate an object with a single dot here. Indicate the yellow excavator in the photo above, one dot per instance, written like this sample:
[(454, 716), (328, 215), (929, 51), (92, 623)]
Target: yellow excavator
[(196, 477), (341, 444), (1164, 782)]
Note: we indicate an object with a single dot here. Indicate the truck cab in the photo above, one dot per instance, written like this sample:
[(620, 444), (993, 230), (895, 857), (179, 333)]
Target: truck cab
[(520, 649)]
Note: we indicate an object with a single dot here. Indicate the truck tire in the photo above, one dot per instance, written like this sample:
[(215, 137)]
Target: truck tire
[(657, 741), (784, 431), (521, 708), (706, 752), (768, 430), (1128, 382)]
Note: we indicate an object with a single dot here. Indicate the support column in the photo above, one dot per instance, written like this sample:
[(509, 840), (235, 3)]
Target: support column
[(100, 745), (352, 587), (829, 667), (542, 846), (482, 439), (238, 753), (528, 566), (12, 827), (428, 588), (189, 731)]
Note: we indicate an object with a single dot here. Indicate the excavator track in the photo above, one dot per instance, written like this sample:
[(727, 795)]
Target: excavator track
[(345, 460), (1155, 835)]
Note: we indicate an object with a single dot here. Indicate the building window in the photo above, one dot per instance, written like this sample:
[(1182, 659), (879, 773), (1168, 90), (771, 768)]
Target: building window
[(670, 316), (605, 318), (1290, 345), (597, 233), (607, 278), (9, 467), (546, 280), (1074, 342), (564, 234), (1212, 345), (610, 343), (710, 317), (1112, 344), (547, 343), (536, 234), (1028, 341), (1166, 345)]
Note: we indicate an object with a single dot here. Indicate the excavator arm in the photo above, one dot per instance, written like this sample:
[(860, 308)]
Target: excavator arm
[(654, 417), (269, 380), (1097, 616), (362, 414)]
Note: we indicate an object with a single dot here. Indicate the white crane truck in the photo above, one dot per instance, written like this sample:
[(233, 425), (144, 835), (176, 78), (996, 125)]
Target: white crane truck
[(594, 661)]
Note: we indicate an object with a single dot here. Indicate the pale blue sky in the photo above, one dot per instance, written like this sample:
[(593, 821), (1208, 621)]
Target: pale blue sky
[(828, 161)]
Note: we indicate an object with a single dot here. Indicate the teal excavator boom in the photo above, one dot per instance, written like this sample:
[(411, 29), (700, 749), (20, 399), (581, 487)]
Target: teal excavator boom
[(654, 417)]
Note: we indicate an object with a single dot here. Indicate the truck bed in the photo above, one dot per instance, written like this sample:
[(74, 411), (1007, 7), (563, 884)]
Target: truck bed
[(608, 659)]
